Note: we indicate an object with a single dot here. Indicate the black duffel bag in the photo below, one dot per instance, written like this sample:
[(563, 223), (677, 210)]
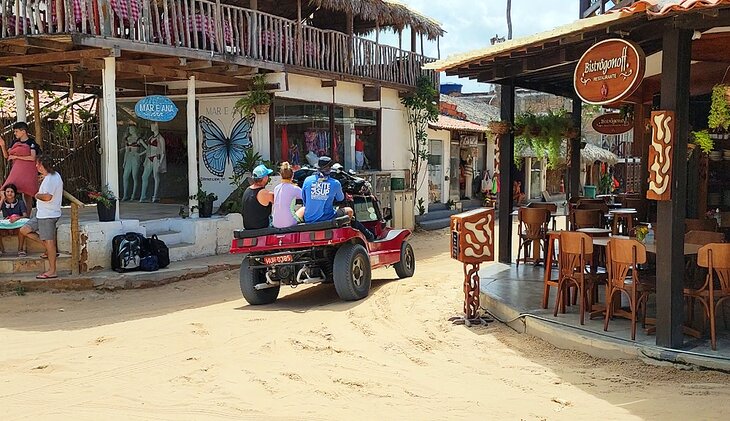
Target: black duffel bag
[(157, 247)]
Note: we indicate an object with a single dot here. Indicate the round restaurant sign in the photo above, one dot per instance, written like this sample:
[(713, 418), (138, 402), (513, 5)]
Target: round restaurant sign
[(609, 72), (156, 108), (612, 124)]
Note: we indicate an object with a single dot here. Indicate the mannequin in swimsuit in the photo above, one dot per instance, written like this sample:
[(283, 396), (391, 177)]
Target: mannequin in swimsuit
[(154, 164), (133, 155)]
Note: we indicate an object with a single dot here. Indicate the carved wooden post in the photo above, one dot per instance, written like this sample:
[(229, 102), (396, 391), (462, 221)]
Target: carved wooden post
[(472, 242)]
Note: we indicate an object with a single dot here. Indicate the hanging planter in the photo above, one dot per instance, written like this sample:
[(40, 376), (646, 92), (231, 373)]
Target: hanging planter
[(261, 108), (719, 118), (499, 127)]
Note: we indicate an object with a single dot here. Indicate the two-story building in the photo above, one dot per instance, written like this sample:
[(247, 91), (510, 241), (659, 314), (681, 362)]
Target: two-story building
[(335, 91)]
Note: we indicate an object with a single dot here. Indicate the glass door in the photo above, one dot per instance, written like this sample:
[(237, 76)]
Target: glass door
[(435, 171), (454, 172)]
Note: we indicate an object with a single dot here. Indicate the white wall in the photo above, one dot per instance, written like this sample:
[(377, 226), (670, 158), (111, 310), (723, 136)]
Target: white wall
[(220, 111)]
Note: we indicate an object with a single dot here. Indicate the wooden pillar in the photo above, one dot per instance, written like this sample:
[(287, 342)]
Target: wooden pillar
[(38, 131), (676, 46), (21, 111), (575, 165), (110, 157), (641, 114), (350, 39), (192, 148), (414, 38), (506, 157), (300, 47)]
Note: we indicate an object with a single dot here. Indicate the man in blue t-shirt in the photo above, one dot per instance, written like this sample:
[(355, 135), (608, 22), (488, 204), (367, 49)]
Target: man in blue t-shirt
[(319, 194)]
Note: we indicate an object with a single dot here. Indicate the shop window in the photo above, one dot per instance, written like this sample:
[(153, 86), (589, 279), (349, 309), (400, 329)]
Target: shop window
[(305, 131), (301, 132)]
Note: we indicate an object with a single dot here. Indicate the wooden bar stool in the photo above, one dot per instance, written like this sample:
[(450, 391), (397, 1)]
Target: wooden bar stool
[(623, 221)]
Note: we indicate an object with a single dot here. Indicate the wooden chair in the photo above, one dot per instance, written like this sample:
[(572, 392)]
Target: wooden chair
[(716, 258), (552, 207), (700, 225), (704, 237), (586, 218), (576, 255), (532, 228), (624, 257)]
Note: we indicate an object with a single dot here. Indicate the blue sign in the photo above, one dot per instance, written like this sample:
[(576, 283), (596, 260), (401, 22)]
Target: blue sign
[(155, 108)]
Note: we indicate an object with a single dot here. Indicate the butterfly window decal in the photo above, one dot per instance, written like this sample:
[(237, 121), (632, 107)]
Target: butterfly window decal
[(219, 149)]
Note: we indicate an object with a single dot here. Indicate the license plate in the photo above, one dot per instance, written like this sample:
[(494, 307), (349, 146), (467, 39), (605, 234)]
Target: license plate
[(272, 260)]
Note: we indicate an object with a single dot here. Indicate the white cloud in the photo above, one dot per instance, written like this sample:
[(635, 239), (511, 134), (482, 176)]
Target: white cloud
[(470, 24)]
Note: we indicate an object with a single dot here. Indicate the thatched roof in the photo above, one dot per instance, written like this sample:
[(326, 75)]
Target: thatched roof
[(369, 14), (588, 155)]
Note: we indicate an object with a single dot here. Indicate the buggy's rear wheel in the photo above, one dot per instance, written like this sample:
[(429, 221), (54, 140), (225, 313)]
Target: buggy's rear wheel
[(352, 273), (249, 278), (407, 265)]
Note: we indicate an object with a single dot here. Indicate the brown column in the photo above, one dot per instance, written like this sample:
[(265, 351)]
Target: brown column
[(506, 157), (574, 169), (677, 47)]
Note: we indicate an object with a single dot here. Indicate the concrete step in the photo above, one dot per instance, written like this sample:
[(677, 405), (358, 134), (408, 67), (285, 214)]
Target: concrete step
[(181, 251), (33, 263), (432, 216), (433, 207), (169, 237), (471, 204), (435, 224), (10, 244)]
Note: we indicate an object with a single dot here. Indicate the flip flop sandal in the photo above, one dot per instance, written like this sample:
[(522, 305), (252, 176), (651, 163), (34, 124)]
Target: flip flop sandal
[(44, 276), (45, 256), (22, 254)]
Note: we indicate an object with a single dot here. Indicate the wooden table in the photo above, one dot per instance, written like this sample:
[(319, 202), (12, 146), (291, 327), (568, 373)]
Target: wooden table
[(595, 232), (689, 249)]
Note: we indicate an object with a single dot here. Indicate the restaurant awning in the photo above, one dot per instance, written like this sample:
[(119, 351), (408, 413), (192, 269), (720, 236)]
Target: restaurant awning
[(545, 61)]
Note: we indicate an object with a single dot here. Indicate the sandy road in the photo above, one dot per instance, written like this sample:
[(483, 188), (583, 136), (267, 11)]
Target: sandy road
[(195, 350)]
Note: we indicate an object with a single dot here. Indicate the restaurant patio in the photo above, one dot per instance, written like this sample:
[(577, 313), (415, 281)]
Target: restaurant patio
[(677, 62)]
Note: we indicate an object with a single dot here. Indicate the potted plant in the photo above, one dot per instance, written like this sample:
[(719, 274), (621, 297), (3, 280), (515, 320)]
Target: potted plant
[(702, 140), (205, 202), (719, 118), (106, 203), (257, 100)]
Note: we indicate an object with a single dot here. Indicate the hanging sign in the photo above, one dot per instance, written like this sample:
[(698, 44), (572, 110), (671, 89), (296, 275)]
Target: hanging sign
[(469, 141), (661, 155), (155, 108), (612, 124), (609, 72)]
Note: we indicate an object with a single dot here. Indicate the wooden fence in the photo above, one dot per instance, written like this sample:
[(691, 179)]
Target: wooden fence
[(218, 28)]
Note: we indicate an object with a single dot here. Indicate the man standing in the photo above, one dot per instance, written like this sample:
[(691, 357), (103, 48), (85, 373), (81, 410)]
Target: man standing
[(42, 227), (257, 200), (319, 194)]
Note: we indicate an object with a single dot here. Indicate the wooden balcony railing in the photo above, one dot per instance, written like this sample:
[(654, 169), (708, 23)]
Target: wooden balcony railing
[(218, 28)]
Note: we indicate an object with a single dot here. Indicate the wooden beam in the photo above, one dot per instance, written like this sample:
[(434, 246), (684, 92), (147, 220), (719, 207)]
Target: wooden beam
[(198, 65), (12, 49), (47, 44), (54, 57)]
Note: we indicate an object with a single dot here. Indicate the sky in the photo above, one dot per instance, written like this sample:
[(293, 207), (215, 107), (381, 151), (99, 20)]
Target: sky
[(470, 24)]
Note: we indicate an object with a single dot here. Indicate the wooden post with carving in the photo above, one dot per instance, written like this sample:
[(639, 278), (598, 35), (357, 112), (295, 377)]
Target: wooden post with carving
[(472, 242)]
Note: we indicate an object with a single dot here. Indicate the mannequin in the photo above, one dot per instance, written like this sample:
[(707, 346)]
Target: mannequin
[(133, 155), (155, 163), (359, 151)]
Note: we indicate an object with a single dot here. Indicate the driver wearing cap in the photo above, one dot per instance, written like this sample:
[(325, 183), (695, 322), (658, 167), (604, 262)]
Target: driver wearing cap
[(319, 194), (257, 200)]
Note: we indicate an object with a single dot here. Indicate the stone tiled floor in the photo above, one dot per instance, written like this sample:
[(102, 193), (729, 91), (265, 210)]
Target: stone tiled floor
[(521, 289)]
